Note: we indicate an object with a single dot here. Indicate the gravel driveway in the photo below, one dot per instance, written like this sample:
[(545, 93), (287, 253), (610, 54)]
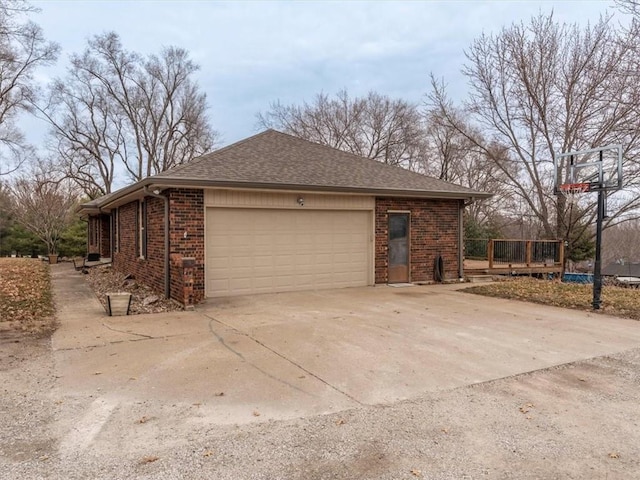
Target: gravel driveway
[(86, 409), (580, 420)]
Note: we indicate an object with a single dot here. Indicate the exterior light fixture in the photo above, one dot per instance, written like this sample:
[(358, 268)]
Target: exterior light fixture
[(301, 201)]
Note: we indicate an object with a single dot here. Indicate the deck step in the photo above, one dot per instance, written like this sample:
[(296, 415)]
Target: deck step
[(480, 278)]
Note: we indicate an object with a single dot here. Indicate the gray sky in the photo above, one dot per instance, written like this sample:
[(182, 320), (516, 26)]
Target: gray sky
[(254, 53)]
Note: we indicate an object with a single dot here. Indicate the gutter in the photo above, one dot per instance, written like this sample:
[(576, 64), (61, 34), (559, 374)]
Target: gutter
[(380, 192), (167, 269), (121, 196)]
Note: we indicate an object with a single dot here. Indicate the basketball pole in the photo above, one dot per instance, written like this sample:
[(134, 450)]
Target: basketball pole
[(597, 266)]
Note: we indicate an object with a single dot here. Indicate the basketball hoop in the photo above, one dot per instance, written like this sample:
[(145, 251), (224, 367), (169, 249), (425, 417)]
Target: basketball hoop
[(593, 170), (572, 190)]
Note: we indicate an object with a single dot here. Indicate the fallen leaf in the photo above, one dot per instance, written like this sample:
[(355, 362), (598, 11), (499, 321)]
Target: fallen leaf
[(341, 421), (525, 408), (143, 420), (256, 413), (416, 473), (26, 300), (619, 301), (614, 455), (149, 459), (208, 453), (219, 394)]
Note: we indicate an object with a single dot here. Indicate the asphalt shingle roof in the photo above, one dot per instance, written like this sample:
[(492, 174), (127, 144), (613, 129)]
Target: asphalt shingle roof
[(273, 158)]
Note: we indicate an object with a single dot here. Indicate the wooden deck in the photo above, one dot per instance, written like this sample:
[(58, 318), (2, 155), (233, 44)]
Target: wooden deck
[(499, 256), (481, 267)]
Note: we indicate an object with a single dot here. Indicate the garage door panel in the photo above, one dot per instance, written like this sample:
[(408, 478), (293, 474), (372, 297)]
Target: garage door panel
[(261, 260), (262, 250)]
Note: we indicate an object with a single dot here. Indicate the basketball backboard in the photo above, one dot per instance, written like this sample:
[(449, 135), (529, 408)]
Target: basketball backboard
[(597, 168)]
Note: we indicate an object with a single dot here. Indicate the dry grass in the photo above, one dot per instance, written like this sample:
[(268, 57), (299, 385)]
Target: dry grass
[(26, 302), (618, 301)]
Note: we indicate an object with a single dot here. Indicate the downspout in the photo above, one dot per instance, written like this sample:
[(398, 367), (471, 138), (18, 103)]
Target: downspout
[(167, 270)]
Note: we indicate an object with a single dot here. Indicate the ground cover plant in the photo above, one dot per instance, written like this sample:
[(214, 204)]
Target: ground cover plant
[(618, 301), (26, 302)]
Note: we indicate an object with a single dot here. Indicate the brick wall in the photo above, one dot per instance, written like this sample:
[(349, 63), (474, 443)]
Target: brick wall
[(99, 235), (433, 231), (148, 270), (186, 214), (105, 236), (186, 208), (93, 224)]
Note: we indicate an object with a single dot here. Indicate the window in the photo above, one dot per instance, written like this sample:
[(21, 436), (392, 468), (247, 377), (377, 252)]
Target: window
[(115, 230), (93, 231), (141, 222)]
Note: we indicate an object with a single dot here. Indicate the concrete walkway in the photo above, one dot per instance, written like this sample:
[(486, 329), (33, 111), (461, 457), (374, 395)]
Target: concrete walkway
[(84, 323), (290, 355)]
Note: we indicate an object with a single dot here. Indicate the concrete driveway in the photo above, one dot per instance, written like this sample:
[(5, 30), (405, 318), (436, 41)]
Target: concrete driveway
[(246, 359)]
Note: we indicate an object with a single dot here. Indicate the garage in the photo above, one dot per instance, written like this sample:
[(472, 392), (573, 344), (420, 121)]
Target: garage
[(267, 250), (276, 213)]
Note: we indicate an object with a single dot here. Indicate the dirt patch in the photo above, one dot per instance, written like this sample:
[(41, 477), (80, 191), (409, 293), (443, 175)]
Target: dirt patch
[(104, 280)]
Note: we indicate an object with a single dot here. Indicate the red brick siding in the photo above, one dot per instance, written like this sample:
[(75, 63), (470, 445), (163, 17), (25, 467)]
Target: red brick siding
[(149, 270), (99, 235), (434, 231), (186, 213), (105, 236), (186, 207), (92, 237)]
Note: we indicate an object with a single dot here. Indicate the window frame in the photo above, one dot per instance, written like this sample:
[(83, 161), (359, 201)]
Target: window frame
[(141, 229)]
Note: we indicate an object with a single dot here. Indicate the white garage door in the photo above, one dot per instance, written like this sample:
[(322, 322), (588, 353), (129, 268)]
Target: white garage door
[(266, 250)]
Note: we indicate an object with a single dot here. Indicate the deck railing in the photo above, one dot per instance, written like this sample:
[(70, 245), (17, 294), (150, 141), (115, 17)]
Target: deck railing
[(502, 252)]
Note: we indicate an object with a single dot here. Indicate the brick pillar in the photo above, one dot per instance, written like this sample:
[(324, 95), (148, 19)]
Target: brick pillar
[(188, 264)]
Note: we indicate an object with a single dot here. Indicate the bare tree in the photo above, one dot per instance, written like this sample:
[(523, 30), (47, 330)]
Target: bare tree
[(374, 126), (5, 218), (547, 87), (43, 205), (23, 49), (629, 6), (117, 109), (452, 157)]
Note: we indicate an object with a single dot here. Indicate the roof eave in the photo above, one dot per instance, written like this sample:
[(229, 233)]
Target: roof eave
[(133, 191), (118, 198), (383, 192)]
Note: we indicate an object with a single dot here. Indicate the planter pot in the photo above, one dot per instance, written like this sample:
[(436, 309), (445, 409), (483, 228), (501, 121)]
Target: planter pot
[(118, 303), (53, 259)]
